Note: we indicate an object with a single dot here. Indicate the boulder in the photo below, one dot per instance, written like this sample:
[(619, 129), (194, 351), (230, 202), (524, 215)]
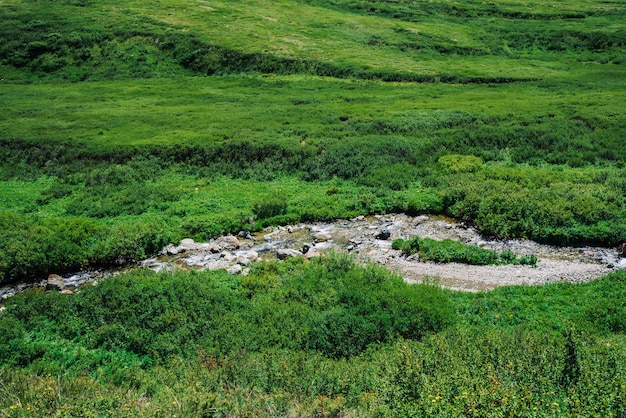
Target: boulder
[(322, 237), (285, 253), (228, 242), (67, 292), (228, 257), (55, 282), (242, 260), (383, 234), (187, 244), (214, 248), (246, 235), (312, 253), (236, 269), (306, 248), (252, 255), (170, 249)]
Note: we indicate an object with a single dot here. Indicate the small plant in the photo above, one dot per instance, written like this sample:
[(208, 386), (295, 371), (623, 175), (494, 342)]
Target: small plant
[(528, 260)]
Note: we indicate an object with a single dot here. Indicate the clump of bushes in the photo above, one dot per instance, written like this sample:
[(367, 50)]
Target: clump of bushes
[(450, 251)]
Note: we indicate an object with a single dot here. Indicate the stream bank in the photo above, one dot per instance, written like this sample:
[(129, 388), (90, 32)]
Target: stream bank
[(369, 239)]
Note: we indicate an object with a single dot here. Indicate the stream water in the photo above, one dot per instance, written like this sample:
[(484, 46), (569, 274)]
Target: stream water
[(362, 237)]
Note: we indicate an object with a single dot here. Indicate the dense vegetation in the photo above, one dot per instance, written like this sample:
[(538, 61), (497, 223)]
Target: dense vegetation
[(126, 126), (319, 338), (511, 119), (450, 251)]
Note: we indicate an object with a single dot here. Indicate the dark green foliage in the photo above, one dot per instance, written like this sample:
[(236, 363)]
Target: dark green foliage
[(369, 308), (571, 366), (34, 248), (270, 206), (331, 306), (450, 251), (209, 337)]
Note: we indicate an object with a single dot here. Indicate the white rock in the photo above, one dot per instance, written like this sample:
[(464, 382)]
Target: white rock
[(236, 269), (322, 237), (252, 255), (241, 260)]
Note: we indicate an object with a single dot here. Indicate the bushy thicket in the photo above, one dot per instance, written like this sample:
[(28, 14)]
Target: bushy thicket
[(450, 251), (32, 248), (323, 338), (328, 305)]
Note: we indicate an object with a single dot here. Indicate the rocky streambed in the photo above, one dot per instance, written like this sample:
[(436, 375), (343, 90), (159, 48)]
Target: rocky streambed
[(369, 238)]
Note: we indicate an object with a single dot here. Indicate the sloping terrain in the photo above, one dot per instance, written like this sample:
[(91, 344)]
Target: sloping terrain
[(127, 126)]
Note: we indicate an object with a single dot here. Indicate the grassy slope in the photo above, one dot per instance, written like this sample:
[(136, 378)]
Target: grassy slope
[(115, 142), (300, 92)]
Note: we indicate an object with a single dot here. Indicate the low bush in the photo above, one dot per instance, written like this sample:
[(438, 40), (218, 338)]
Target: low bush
[(450, 251)]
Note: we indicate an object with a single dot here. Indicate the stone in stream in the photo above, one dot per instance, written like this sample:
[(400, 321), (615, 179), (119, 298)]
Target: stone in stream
[(383, 234), (322, 237), (246, 235), (243, 260), (252, 255), (285, 253), (228, 242), (55, 282), (170, 249), (621, 250)]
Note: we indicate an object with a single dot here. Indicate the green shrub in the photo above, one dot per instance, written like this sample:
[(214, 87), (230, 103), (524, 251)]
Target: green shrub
[(456, 163), (270, 206)]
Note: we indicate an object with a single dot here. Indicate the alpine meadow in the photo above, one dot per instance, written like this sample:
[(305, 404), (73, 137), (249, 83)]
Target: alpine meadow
[(126, 127)]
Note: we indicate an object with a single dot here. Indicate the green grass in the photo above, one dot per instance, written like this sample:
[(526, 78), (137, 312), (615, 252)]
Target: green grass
[(126, 126)]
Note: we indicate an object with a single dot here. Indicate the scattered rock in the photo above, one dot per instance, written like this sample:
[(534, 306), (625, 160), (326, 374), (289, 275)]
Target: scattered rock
[(187, 244), (243, 260), (246, 235), (236, 269), (245, 272), (285, 253), (67, 292), (228, 257), (321, 237), (214, 248), (306, 248), (621, 250), (309, 255), (383, 234), (55, 282), (228, 242), (267, 237), (252, 255), (170, 249), (290, 229)]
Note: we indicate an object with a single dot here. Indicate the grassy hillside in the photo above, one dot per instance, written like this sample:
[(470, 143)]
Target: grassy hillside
[(106, 106), (129, 125)]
